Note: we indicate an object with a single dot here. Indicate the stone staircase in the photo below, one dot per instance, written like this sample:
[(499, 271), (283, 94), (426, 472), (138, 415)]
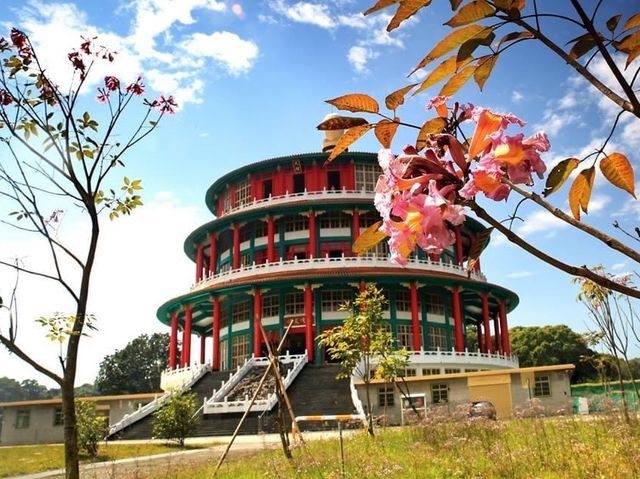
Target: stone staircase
[(314, 391)]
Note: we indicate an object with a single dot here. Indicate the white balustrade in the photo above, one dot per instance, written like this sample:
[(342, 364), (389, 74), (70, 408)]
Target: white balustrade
[(327, 263), (315, 196), (219, 402), (470, 358), (188, 375)]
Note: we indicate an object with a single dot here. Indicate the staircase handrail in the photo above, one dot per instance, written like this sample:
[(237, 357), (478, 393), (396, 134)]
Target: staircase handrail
[(234, 379), (199, 370)]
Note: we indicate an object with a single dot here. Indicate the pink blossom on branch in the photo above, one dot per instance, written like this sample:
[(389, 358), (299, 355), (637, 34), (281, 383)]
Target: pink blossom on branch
[(420, 196), (112, 83), (137, 88), (166, 104)]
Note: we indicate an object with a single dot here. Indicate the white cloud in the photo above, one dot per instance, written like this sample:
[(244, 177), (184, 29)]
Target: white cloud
[(305, 12), (553, 122), (154, 46), (516, 96), (137, 269), (359, 57), (618, 266), (568, 101), (268, 19), (540, 221), (520, 274), (234, 53)]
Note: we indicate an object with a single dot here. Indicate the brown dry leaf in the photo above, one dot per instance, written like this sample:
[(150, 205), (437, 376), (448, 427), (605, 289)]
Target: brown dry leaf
[(341, 123), (633, 54), (385, 131), (484, 70), (380, 4), (618, 170), (395, 99), (471, 12), (457, 81), (368, 239), (430, 127), (629, 42), (583, 45), (478, 246), (406, 9), (454, 40), (580, 192), (355, 102), (439, 73), (633, 22), (349, 136), (509, 37)]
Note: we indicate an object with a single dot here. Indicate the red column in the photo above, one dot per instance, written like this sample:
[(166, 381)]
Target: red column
[(213, 253), (356, 224), (479, 333), (497, 334), (257, 319), (313, 249), (457, 320), (186, 336), (459, 253), (173, 342), (215, 333), (271, 251), (203, 345), (199, 261), (236, 247), (504, 329), (308, 321), (415, 321), (488, 343)]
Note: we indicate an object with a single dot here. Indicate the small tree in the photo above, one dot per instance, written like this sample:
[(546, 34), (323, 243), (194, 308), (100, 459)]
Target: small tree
[(176, 419), (363, 345), (91, 427)]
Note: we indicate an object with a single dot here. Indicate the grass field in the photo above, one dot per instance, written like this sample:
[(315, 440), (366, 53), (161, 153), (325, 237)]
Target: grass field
[(30, 459), (602, 447)]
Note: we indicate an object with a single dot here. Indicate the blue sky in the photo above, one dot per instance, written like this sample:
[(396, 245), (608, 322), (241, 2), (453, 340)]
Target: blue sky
[(251, 78)]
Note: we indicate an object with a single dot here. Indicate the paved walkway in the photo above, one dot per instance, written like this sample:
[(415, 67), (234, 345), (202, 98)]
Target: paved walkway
[(174, 461)]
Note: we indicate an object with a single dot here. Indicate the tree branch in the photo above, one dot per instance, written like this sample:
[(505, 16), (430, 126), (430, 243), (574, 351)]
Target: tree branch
[(13, 348)]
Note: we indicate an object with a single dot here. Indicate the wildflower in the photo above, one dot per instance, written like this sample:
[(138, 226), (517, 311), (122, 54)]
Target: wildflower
[(166, 104), (112, 83), (5, 98), (77, 62), (137, 88), (86, 46), (488, 122), (103, 95), (439, 103)]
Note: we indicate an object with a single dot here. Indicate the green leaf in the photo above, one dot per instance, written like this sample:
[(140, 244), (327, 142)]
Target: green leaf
[(559, 175)]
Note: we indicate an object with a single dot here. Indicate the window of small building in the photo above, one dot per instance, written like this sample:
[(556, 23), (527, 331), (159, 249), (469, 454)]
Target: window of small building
[(367, 176), (239, 350), (243, 193), (467, 370), (542, 386), (23, 418), (296, 223), (437, 338), (430, 371), (332, 300), (452, 370), (407, 372), (439, 393), (270, 306), (298, 183), (267, 188), (58, 417), (403, 300), (333, 180), (294, 303), (435, 305), (335, 220), (385, 397), (240, 311)]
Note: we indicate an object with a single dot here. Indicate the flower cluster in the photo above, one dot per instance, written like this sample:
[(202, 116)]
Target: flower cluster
[(420, 195), (20, 41), (112, 84)]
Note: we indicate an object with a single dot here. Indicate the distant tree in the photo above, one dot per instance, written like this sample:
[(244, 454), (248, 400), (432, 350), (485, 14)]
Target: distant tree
[(86, 390), (363, 345), (549, 345), (32, 389), (136, 368), (176, 419), (10, 390), (91, 427)]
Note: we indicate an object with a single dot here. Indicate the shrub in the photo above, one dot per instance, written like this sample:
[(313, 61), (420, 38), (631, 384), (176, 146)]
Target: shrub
[(176, 420), (91, 427)]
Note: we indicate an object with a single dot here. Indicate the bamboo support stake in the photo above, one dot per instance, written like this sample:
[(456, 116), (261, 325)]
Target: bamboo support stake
[(253, 399)]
